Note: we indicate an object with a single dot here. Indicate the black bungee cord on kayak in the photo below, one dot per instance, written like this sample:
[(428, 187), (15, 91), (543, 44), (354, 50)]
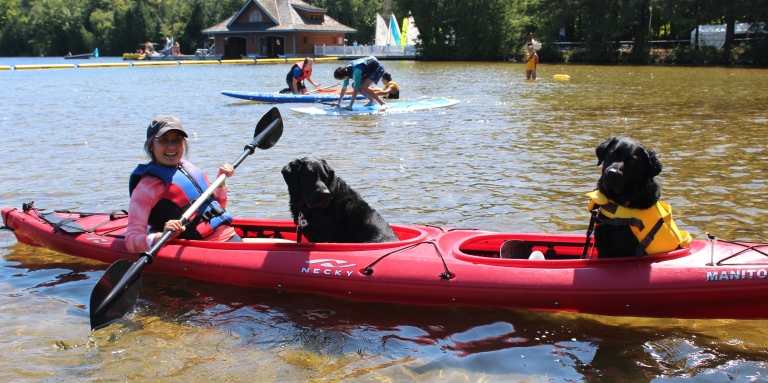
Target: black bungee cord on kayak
[(747, 247), (368, 270)]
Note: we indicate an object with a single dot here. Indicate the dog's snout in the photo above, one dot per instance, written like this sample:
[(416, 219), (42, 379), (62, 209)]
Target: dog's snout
[(320, 197), (613, 178)]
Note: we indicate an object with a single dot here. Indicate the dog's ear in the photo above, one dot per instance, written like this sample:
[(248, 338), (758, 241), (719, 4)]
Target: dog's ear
[(328, 170), (291, 174), (653, 162), (602, 149)]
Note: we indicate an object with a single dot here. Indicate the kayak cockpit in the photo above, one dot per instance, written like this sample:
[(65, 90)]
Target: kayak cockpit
[(283, 232), (557, 250)]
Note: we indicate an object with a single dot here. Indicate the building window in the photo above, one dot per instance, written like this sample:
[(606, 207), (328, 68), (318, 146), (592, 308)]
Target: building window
[(253, 40), (316, 17), (305, 39), (255, 17), (339, 41)]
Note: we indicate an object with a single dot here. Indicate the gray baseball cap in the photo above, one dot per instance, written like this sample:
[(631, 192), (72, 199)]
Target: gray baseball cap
[(163, 123)]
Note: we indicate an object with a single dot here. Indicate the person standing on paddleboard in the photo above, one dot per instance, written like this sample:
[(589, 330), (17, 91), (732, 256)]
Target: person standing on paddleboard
[(531, 61), (364, 72), (163, 189), (297, 74)]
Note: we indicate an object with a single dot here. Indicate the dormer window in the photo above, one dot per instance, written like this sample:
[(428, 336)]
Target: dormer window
[(255, 17), (317, 17)]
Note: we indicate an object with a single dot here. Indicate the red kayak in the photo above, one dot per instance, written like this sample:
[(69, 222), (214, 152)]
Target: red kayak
[(438, 266)]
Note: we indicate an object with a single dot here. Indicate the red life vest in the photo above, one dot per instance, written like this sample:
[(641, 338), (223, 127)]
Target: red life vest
[(305, 73)]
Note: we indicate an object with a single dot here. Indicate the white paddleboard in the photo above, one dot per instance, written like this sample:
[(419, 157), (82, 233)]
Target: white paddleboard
[(394, 107)]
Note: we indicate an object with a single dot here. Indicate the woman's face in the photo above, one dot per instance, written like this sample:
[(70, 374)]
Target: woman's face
[(168, 149)]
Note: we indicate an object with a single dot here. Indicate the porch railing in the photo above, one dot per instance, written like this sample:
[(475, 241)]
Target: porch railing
[(370, 50)]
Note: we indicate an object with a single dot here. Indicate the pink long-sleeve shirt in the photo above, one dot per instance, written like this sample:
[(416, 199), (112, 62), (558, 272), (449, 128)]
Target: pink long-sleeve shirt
[(146, 194)]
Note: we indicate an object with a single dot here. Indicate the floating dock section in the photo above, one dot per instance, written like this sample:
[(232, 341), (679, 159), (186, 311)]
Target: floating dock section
[(153, 63)]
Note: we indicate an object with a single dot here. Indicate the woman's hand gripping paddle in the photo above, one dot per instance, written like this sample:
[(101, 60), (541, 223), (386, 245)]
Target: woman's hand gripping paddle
[(117, 290)]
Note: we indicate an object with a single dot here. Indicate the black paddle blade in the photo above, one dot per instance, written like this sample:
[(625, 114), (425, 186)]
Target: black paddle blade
[(271, 139), (124, 301)]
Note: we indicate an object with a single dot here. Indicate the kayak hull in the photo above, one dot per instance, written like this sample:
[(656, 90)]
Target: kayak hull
[(679, 284), (288, 97)]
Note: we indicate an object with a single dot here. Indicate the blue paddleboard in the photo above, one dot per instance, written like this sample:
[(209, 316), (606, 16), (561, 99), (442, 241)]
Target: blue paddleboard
[(288, 97)]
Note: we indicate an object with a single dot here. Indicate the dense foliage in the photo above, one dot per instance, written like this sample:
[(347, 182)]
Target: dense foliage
[(608, 30), (55, 27)]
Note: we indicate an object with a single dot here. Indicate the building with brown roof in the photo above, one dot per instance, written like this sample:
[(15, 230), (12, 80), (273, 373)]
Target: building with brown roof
[(272, 28)]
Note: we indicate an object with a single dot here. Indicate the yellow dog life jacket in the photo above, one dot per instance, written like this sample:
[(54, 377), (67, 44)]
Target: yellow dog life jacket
[(653, 227)]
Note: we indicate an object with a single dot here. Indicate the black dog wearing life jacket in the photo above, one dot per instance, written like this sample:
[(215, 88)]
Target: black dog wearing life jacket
[(332, 210), (631, 220)]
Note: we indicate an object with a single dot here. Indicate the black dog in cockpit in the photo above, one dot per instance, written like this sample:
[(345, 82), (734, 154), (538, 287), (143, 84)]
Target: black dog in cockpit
[(333, 211), (631, 220)]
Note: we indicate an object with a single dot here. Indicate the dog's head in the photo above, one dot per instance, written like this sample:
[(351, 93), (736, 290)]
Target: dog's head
[(309, 182), (628, 170)]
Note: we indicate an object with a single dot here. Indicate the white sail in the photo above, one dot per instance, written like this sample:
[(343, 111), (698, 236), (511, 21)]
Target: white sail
[(394, 30), (382, 31), (413, 32)]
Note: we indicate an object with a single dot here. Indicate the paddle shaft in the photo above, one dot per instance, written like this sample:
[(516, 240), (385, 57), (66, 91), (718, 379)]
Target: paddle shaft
[(146, 258), (325, 87)]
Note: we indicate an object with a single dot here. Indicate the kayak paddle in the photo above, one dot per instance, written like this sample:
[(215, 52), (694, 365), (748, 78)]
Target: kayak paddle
[(117, 290)]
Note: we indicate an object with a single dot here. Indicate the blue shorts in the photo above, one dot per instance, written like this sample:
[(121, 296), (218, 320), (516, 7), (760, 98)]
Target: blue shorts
[(375, 76)]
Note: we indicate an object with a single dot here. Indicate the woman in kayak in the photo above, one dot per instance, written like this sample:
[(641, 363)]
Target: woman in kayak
[(364, 73), (163, 189), (297, 74), (391, 90)]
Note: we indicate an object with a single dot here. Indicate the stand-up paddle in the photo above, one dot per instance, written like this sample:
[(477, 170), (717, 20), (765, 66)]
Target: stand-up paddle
[(325, 87), (117, 290)]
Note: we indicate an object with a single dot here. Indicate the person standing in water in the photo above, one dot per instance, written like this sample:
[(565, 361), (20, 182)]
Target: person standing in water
[(531, 61)]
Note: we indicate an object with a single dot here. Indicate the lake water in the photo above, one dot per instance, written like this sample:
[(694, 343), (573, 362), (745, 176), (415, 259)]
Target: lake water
[(514, 155)]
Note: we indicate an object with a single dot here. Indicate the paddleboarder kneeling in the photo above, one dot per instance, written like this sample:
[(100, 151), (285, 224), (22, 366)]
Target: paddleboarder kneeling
[(163, 189), (364, 72), (297, 74)]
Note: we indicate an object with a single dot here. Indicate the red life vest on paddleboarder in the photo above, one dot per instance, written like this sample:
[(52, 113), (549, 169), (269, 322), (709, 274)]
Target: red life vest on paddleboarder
[(305, 73)]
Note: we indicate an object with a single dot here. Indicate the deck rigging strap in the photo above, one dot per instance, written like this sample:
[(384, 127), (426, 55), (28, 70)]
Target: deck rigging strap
[(70, 225), (753, 247), (445, 275)]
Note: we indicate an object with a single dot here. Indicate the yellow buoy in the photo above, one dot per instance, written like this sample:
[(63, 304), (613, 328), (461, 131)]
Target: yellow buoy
[(562, 77)]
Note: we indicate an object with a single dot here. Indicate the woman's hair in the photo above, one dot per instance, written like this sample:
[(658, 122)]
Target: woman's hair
[(149, 142), (387, 76), (340, 73)]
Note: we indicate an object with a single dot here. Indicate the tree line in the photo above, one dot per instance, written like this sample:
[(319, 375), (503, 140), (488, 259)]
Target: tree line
[(475, 30)]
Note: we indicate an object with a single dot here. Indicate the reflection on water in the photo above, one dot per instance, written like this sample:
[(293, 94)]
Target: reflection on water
[(514, 155)]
